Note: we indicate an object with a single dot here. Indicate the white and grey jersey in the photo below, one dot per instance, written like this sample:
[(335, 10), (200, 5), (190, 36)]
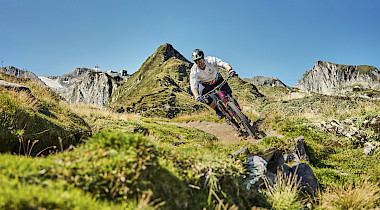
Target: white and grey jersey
[(209, 74)]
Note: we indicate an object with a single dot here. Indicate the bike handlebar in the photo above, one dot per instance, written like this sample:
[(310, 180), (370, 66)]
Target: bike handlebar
[(217, 87)]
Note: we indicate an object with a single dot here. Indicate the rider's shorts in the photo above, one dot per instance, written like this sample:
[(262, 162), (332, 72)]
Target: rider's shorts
[(225, 88)]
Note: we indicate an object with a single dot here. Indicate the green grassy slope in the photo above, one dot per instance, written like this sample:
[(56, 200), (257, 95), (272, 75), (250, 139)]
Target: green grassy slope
[(41, 115), (161, 87), (175, 167)]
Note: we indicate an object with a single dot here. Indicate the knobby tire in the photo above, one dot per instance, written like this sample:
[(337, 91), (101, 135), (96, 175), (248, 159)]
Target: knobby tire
[(241, 117)]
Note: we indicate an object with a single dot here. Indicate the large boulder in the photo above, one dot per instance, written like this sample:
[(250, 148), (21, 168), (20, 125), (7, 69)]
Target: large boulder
[(305, 177)]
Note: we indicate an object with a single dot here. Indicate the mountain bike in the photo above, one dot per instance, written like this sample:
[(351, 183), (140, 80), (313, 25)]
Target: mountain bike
[(231, 109)]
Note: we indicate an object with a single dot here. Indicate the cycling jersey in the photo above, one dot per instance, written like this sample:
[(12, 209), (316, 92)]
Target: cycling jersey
[(210, 75)]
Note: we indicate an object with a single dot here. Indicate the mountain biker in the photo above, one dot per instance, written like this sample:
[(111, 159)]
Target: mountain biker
[(205, 76)]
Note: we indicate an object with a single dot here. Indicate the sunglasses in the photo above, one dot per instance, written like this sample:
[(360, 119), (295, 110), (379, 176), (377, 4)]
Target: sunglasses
[(199, 61)]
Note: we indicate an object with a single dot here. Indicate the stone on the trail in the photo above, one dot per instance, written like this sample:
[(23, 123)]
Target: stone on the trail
[(300, 148), (257, 167), (306, 177)]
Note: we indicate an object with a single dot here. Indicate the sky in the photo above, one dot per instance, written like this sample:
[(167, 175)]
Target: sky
[(274, 38)]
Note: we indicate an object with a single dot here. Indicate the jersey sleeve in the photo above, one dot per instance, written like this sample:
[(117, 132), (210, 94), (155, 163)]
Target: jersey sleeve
[(219, 63), (193, 78)]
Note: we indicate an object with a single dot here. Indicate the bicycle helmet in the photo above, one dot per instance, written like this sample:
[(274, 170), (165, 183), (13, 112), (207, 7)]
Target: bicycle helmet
[(197, 54)]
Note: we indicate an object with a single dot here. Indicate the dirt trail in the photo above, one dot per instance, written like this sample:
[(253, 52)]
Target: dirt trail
[(225, 133)]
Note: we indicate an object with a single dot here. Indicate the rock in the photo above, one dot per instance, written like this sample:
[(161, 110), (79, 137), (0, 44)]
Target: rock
[(257, 167), (368, 148), (342, 173), (276, 162), (266, 81), (374, 124), (292, 157), (14, 86), (84, 85), (270, 178), (334, 79), (269, 153), (300, 148), (337, 128), (11, 70), (306, 177)]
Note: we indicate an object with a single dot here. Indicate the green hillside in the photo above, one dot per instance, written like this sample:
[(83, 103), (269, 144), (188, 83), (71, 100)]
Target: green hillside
[(161, 87), (173, 167), (40, 116), (137, 162)]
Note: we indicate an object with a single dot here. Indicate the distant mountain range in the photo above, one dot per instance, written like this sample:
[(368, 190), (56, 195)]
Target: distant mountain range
[(265, 81), (161, 86)]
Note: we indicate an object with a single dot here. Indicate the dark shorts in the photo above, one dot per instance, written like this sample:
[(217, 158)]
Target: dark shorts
[(225, 88)]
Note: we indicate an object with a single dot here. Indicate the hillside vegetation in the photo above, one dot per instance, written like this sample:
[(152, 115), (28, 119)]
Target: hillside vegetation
[(135, 162), (160, 88), (39, 115), (131, 160)]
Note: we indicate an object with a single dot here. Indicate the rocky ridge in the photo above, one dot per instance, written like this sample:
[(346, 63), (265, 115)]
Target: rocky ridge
[(85, 85), (20, 73), (81, 85), (336, 79), (265, 81)]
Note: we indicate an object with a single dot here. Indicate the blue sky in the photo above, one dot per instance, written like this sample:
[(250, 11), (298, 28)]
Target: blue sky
[(278, 38)]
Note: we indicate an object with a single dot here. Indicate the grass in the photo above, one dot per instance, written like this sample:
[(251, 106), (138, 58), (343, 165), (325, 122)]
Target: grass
[(364, 68), (285, 194), (29, 118), (352, 195), (135, 162)]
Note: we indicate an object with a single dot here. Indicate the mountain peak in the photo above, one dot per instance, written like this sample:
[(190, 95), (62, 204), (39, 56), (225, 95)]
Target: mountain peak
[(168, 51)]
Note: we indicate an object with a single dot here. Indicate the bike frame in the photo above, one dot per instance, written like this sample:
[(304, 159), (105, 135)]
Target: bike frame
[(221, 100), (231, 109)]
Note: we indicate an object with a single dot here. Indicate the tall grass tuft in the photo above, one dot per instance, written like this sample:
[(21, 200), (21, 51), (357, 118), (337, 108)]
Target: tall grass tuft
[(284, 194), (360, 195), (145, 203)]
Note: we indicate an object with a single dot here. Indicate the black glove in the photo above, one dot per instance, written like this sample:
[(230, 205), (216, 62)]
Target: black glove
[(232, 73), (199, 98)]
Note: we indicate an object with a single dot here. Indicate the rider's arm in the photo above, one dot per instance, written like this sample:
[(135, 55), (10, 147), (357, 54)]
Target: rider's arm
[(228, 67), (195, 92), (219, 63), (193, 81)]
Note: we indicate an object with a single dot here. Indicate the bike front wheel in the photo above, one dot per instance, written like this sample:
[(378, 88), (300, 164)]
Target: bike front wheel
[(241, 118)]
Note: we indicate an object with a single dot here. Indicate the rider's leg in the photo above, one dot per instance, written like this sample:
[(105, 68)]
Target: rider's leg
[(211, 102)]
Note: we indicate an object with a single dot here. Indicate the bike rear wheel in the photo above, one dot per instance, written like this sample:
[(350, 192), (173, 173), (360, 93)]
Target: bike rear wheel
[(242, 118)]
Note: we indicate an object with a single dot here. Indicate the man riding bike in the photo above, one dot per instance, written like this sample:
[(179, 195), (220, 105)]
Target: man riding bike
[(205, 76)]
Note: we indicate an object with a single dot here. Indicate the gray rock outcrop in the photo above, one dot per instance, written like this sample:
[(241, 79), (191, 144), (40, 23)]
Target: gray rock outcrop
[(84, 85), (13, 86), (334, 79), (346, 129), (11, 70), (287, 164), (265, 81), (305, 177)]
